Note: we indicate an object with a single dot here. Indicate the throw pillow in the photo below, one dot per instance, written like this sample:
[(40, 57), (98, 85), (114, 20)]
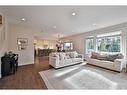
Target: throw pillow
[(112, 57), (62, 56), (120, 56), (95, 55), (67, 55), (75, 54), (71, 54), (102, 57)]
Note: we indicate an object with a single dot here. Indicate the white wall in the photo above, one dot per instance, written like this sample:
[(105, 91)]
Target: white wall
[(79, 40), (20, 31), (14, 31), (4, 44), (17, 31)]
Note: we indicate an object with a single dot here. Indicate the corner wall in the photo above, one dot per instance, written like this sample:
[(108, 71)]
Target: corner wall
[(20, 31), (4, 43)]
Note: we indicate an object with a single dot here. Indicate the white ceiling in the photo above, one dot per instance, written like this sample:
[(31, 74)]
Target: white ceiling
[(46, 17)]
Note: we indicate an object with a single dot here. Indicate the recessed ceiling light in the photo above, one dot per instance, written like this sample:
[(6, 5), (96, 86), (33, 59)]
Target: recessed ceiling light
[(73, 14), (23, 19), (54, 27), (94, 24)]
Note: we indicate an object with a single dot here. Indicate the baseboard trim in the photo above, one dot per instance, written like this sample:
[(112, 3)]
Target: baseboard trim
[(25, 64)]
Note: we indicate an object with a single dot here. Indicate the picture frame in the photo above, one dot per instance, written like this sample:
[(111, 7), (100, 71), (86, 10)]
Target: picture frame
[(22, 43)]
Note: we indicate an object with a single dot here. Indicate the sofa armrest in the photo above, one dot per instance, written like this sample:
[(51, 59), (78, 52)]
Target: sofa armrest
[(123, 61), (119, 63), (87, 57), (54, 61)]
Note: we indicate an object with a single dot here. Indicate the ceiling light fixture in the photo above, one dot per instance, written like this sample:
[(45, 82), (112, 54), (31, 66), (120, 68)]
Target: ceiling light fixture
[(23, 19), (54, 27), (94, 24), (73, 14), (72, 30)]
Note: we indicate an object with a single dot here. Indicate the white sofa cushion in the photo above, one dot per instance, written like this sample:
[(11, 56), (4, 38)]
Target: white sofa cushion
[(73, 54), (62, 56), (66, 61), (102, 63), (76, 59)]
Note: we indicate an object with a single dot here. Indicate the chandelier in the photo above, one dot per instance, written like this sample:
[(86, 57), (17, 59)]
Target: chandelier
[(59, 41)]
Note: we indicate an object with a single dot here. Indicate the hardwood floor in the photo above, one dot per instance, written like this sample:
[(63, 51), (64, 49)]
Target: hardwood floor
[(27, 77)]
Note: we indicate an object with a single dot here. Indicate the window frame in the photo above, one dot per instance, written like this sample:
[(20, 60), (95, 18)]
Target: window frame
[(86, 50), (115, 35)]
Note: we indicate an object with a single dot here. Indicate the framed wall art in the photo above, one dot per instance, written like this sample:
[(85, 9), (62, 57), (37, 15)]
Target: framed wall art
[(22, 43)]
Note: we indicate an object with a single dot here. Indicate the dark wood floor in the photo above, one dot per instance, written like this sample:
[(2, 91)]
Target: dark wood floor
[(27, 77)]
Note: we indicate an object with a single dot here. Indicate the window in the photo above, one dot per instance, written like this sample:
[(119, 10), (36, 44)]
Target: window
[(89, 45), (108, 43)]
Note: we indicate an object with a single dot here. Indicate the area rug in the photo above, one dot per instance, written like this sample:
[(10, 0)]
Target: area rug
[(83, 76)]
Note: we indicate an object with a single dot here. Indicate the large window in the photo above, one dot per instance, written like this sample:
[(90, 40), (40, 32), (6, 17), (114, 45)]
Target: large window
[(89, 45), (108, 43)]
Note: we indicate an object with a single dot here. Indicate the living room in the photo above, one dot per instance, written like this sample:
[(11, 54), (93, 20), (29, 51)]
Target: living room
[(73, 33)]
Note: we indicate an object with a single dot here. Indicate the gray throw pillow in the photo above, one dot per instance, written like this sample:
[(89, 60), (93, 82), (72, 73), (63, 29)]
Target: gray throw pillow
[(112, 57), (120, 56), (95, 55), (102, 57)]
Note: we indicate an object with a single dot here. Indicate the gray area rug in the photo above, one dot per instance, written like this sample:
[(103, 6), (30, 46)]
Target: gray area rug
[(84, 76)]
